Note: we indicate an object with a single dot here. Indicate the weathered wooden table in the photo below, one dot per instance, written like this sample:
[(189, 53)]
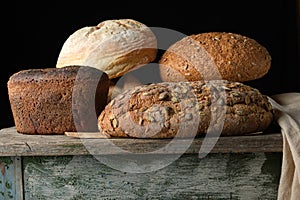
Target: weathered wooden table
[(60, 167)]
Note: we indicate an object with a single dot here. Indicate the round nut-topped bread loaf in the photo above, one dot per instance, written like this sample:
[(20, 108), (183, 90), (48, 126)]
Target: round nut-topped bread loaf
[(215, 55), (162, 110), (113, 46), (54, 101)]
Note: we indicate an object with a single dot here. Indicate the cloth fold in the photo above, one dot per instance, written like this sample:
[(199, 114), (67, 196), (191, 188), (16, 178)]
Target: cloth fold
[(287, 107)]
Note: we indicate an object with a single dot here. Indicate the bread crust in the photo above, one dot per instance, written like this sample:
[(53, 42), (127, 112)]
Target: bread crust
[(158, 110), (113, 46), (215, 55), (53, 101)]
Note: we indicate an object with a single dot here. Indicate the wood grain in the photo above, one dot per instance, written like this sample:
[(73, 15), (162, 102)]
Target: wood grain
[(217, 176), (90, 135), (13, 143)]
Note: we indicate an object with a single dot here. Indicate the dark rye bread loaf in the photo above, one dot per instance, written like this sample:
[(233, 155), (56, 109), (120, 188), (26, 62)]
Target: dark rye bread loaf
[(53, 101), (215, 55), (160, 110)]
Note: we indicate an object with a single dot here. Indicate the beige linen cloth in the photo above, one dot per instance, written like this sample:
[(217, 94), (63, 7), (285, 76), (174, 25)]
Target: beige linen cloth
[(288, 118)]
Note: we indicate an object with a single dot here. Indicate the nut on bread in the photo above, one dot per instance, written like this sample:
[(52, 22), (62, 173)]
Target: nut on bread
[(161, 110)]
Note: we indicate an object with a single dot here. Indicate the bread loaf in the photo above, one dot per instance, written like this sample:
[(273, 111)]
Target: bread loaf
[(160, 110), (53, 101), (215, 55), (113, 46)]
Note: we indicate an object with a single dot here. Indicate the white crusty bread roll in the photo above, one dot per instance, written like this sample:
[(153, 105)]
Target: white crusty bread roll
[(113, 46)]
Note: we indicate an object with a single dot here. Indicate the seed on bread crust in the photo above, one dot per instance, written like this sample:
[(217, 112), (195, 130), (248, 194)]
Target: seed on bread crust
[(167, 110)]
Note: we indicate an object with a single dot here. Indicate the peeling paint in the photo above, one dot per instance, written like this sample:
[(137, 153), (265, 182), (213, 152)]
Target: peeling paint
[(2, 169), (6, 161), (8, 185), (83, 177), (11, 178)]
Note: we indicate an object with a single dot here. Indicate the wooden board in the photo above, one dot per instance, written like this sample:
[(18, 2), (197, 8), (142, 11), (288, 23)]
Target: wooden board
[(16, 144), (86, 135), (11, 183), (217, 176)]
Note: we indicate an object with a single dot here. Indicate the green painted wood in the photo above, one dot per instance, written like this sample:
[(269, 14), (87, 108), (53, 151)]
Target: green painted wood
[(216, 176), (11, 178)]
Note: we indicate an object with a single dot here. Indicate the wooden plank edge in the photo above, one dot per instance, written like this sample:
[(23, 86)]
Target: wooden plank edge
[(228, 144), (87, 135)]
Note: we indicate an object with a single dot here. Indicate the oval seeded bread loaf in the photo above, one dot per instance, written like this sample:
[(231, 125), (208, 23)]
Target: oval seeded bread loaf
[(113, 46), (53, 101), (215, 55), (161, 110)]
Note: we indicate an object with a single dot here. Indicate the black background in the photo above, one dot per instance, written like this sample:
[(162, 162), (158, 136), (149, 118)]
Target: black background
[(35, 32)]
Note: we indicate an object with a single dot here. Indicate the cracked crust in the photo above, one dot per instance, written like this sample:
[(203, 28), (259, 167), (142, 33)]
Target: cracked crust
[(215, 55), (113, 46), (160, 110)]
